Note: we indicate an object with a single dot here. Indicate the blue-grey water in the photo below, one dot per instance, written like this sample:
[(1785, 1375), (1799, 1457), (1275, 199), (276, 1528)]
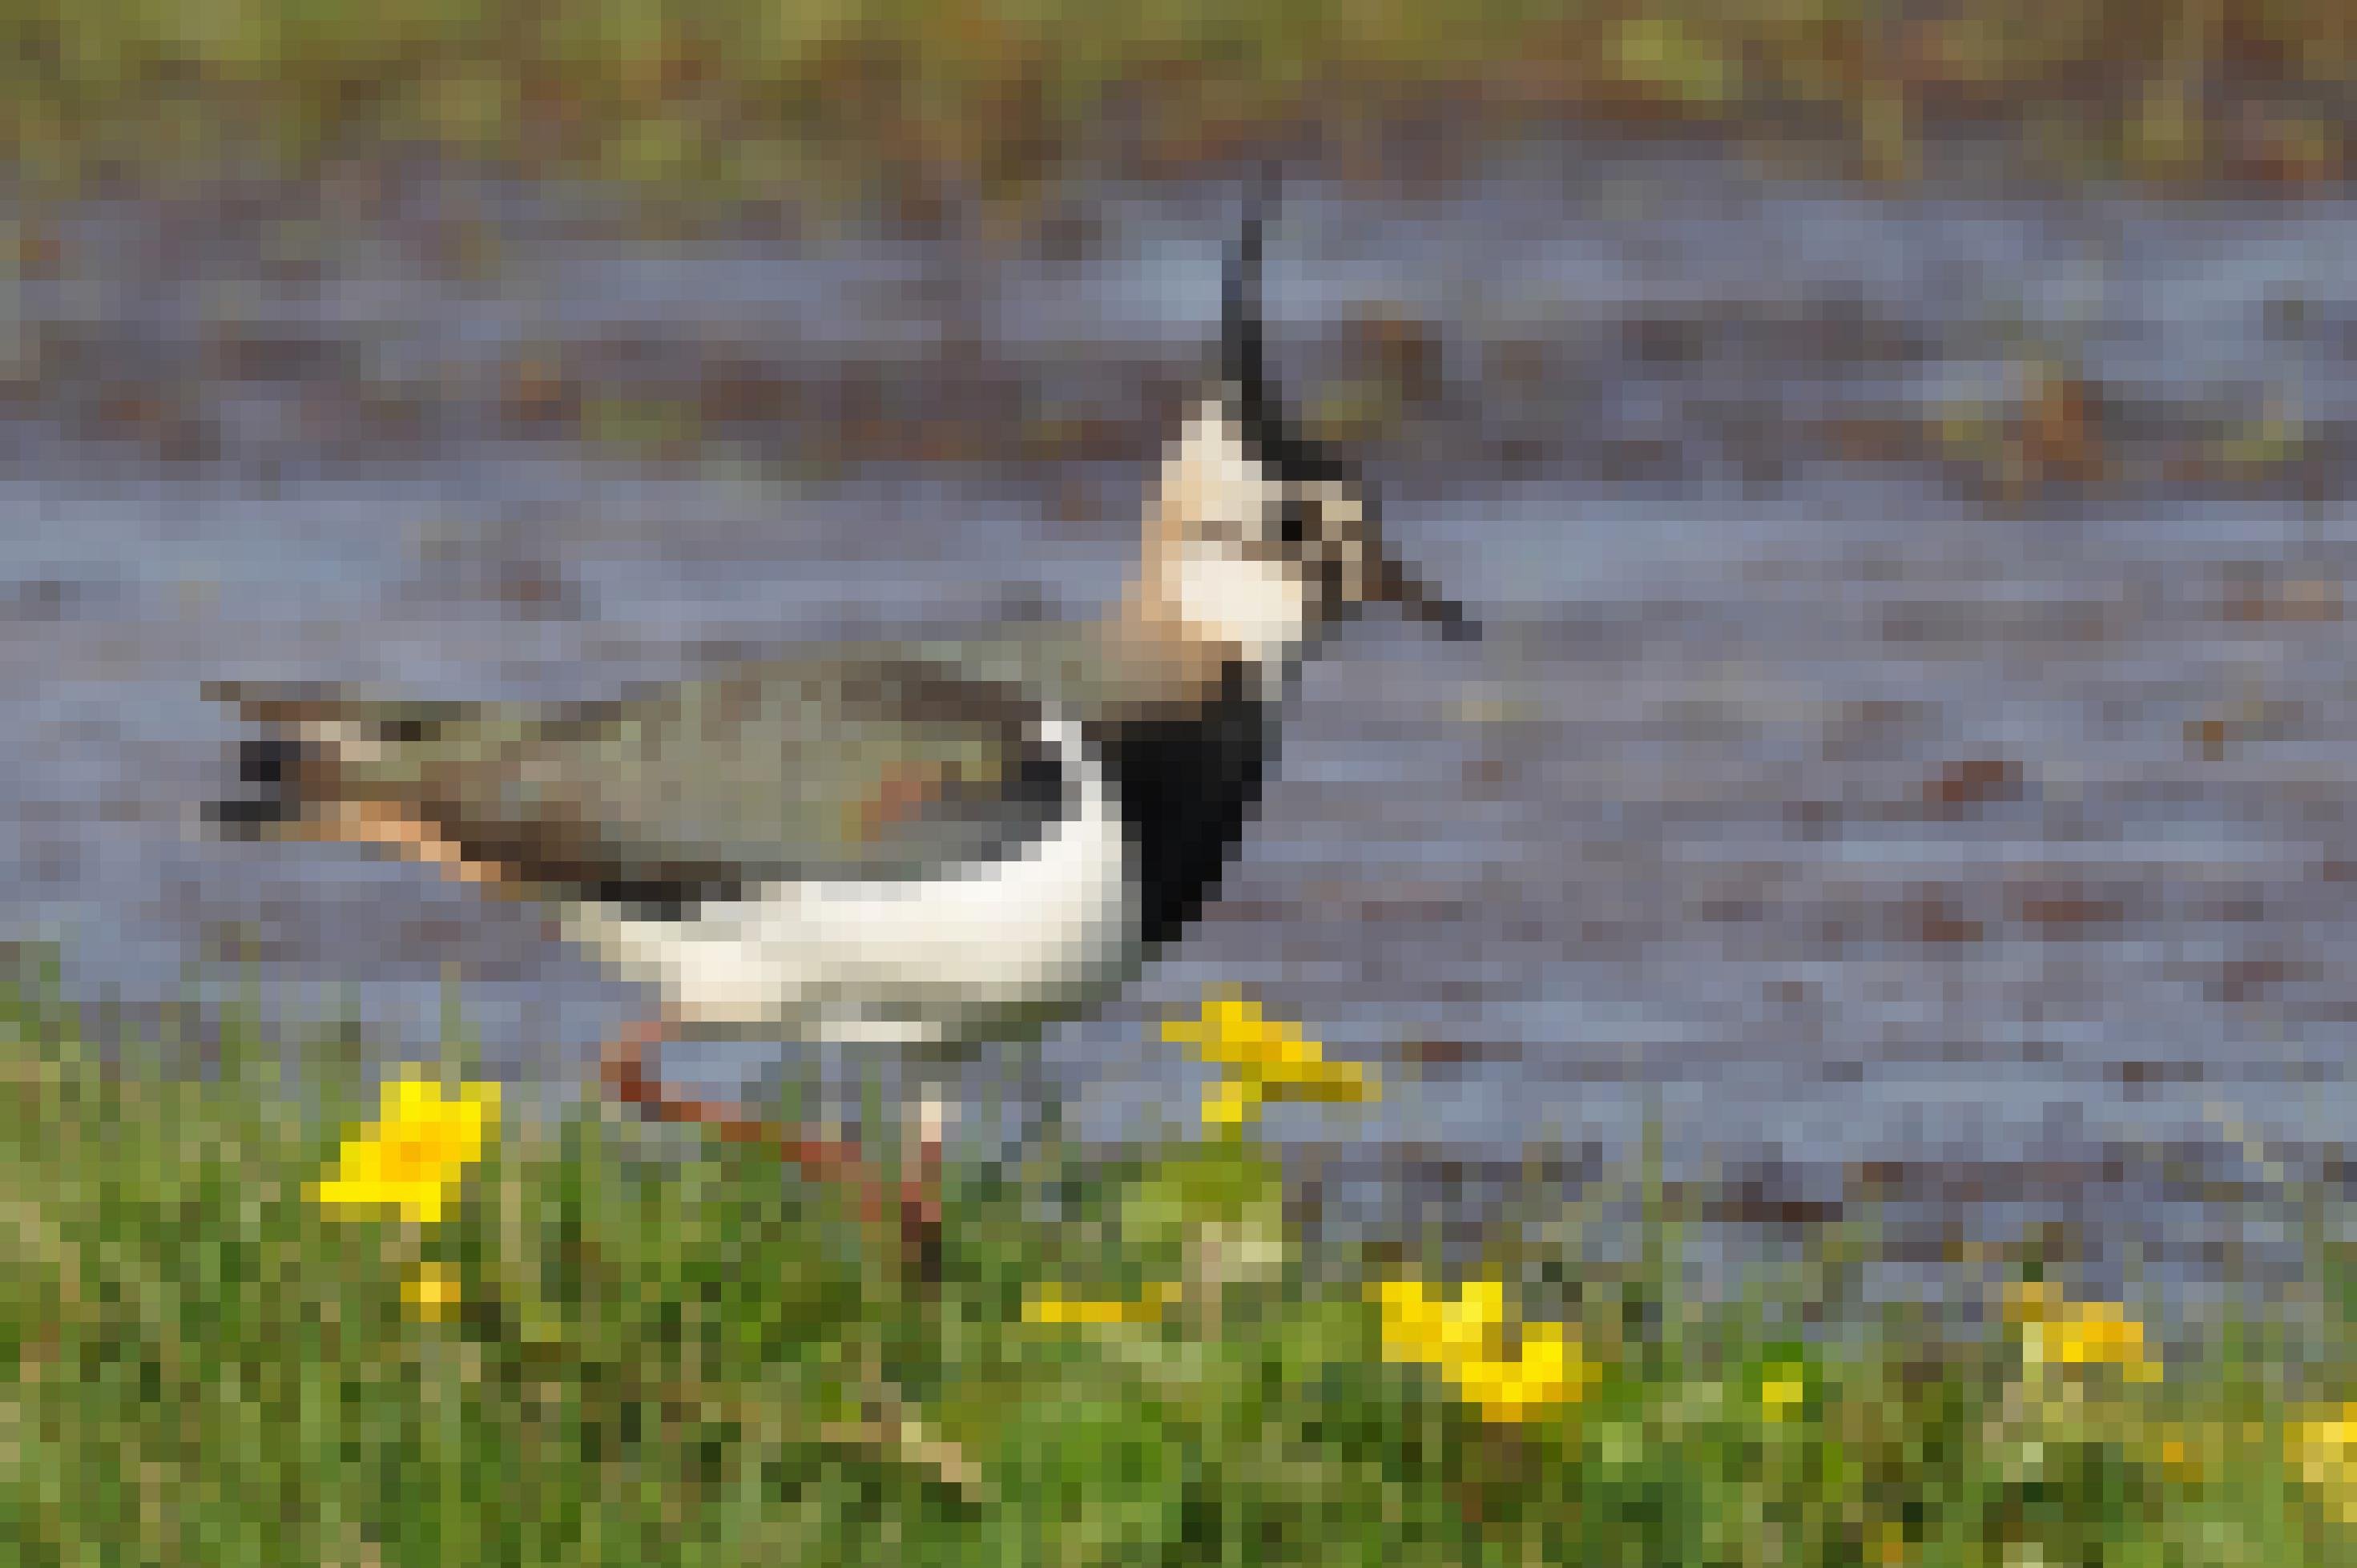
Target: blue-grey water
[(1890, 820)]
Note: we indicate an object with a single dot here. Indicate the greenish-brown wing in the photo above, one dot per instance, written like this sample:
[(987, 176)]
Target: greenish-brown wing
[(880, 767)]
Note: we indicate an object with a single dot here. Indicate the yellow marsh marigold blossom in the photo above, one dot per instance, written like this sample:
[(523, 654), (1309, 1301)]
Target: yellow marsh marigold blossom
[(1051, 1306), (413, 1155), (1232, 1103), (2323, 1449), (2057, 1332), (1466, 1338), (432, 1292), (1411, 1320), (1421, 1327), (1547, 1370), (1261, 1060)]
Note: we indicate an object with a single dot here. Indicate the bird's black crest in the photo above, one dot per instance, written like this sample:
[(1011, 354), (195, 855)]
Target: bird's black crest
[(1252, 395)]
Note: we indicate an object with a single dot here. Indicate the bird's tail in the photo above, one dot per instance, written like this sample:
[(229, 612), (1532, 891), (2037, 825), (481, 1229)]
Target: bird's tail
[(295, 766)]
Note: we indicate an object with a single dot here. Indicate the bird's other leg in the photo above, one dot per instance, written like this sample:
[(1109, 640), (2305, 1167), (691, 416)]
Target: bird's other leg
[(921, 1185), (623, 1066), (819, 1157)]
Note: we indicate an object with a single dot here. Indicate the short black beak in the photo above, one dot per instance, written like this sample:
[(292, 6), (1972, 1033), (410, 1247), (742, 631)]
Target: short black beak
[(1419, 601)]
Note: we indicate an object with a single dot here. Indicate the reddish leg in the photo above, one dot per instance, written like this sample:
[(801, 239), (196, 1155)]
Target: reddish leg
[(921, 1198), (818, 1157)]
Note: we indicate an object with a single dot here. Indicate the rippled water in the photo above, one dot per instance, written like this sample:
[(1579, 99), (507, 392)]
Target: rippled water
[(1897, 817)]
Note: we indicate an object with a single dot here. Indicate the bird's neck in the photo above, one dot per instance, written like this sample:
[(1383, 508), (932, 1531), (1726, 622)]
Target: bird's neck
[(1190, 656)]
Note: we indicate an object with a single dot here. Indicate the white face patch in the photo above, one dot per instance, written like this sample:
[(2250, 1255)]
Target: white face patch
[(1258, 605)]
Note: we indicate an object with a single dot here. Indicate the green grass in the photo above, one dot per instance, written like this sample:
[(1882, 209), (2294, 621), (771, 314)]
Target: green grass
[(698, 1360), (767, 98)]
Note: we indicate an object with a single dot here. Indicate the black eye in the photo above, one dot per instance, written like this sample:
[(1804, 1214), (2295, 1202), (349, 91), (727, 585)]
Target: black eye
[(1293, 521)]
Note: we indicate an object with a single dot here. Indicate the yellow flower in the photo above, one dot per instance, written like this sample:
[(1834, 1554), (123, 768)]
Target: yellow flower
[(432, 1292), (1261, 1060), (1475, 1323), (1231, 1101), (414, 1154), (2056, 1333), (1051, 1306), (1421, 1327), (1466, 1338), (1411, 1319), (2324, 1451), (1778, 1395), (1548, 1370)]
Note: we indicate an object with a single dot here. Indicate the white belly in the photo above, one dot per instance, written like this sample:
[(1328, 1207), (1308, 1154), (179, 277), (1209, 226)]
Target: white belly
[(938, 961)]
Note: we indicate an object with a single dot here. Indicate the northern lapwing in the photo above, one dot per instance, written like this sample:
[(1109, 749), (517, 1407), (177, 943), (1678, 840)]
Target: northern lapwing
[(916, 844)]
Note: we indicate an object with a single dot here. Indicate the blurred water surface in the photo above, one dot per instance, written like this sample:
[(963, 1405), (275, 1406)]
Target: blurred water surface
[(1912, 753)]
